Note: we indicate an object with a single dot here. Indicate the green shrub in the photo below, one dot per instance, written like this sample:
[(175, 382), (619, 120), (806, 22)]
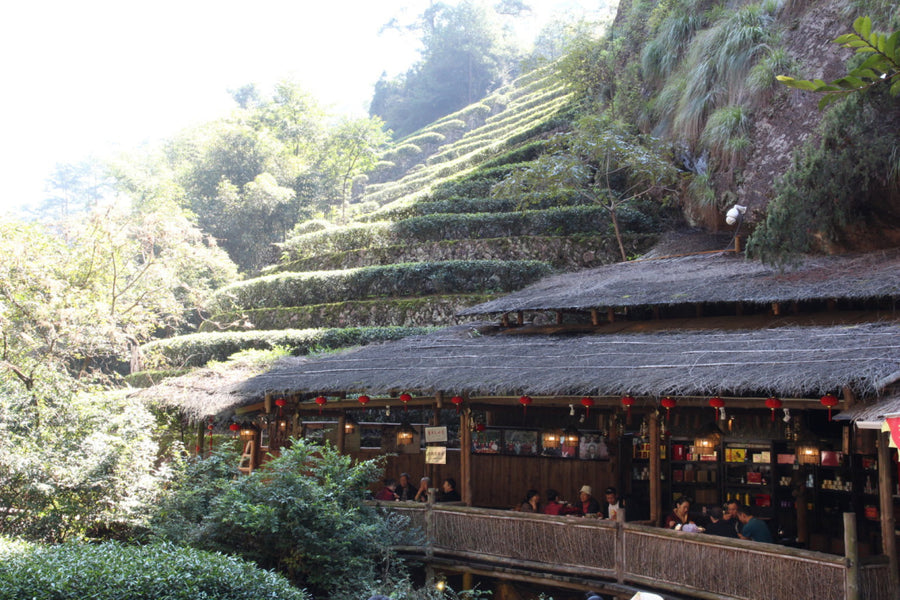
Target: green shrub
[(113, 571), (197, 349), (398, 280), (302, 514)]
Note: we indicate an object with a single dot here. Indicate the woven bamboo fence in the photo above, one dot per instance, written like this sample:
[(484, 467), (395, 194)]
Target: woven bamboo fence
[(690, 564)]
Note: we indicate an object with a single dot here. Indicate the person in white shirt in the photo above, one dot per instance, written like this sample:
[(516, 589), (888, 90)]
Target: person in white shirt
[(613, 507)]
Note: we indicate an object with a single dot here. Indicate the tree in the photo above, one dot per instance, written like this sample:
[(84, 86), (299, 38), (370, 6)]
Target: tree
[(351, 148), (75, 188), (464, 57), (597, 161), (881, 66), (301, 514)]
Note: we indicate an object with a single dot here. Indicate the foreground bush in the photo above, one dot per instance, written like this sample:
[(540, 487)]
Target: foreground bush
[(113, 571), (302, 514)]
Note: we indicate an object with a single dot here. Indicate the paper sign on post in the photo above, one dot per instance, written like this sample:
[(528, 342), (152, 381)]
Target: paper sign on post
[(435, 455), (435, 434)]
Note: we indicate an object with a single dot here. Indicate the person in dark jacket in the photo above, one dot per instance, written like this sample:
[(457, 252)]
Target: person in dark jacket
[(588, 504), (405, 489), (448, 491), (718, 525)]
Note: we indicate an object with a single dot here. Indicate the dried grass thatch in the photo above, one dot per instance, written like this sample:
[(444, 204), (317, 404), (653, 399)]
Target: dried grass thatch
[(212, 390), (889, 406), (710, 277), (788, 361)]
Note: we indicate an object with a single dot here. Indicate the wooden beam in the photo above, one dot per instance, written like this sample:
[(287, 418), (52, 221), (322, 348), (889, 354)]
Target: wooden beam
[(655, 470), (465, 457), (851, 552), (886, 509)]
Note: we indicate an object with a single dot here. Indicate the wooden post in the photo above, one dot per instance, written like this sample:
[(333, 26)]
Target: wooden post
[(595, 317), (267, 403), (776, 308), (611, 314), (504, 319), (520, 318), (465, 457), (655, 483), (201, 431), (886, 507), (851, 552), (341, 434)]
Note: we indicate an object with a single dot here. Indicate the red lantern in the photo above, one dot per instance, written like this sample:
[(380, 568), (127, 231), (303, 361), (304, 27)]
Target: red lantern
[(668, 404), (773, 404), (457, 400), (829, 400), (525, 401), (280, 402), (716, 403), (234, 427), (479, 427), (627, 402), (363, 399), (321, 401), (405, 398), (587, 403)]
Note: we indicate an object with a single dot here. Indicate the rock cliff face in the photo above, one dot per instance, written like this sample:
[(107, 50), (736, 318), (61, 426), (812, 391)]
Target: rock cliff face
[(791, 116)]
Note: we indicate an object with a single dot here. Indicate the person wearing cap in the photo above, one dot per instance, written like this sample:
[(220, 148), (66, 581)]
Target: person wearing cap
[(612, 507), (588, 504)]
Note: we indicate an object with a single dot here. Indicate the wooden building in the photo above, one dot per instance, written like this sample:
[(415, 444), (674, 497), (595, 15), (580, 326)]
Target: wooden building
[(700, 374)]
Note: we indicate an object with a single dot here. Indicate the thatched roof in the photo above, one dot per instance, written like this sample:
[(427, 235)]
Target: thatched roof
[(788, 361), (888, 406), (211, 391), (709, 277)]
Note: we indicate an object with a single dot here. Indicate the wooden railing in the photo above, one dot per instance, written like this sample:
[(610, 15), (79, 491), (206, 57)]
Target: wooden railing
[(692, 564)]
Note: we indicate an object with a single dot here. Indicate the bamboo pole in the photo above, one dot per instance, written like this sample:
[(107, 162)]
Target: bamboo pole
[(655, 471), (851, 552), (886, 507)]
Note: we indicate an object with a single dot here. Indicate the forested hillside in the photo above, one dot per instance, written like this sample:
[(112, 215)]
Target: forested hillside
[(666, 122)]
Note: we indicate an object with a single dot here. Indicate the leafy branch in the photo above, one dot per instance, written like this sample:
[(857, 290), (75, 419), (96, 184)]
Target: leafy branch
[(881, 67)]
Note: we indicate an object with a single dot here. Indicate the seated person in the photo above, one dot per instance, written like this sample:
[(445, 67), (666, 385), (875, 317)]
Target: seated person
[(422, 492), (679, 516), (613, 508), (388, 492), (554, 505), (752, 528), (405, 489), (587, 503), (448, 491), (532, 502), (718, 524)]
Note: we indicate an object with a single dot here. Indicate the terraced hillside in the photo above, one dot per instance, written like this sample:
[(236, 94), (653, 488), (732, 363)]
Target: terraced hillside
[(424, 238)]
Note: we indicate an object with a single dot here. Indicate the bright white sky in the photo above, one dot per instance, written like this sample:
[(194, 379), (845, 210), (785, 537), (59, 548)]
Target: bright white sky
[(84, 77)]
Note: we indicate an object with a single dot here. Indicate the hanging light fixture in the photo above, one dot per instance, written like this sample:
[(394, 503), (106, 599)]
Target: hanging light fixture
[(247, 431), (570, 436), (405, 434), (551, 438), (806, 447), (708, 438), (350, 425)]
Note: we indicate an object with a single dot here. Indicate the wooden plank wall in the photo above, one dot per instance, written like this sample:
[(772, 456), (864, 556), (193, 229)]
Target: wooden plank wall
[(500, 481)]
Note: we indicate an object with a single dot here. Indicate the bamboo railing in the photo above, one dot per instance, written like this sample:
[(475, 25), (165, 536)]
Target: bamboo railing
[(691, 564)]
